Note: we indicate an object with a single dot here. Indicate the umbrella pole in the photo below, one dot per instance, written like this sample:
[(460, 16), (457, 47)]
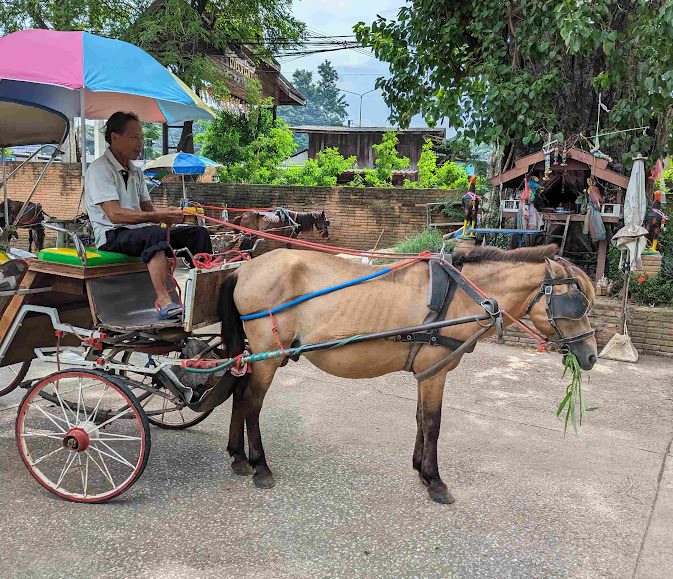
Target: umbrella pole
[(622, 323), (82, 117), (184, 190)]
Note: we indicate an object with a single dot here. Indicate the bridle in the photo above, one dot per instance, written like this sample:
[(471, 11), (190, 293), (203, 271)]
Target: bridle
[(572, 305)]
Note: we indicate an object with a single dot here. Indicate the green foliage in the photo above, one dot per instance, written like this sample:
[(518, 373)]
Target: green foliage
[(500, 72), (430, 240), (325, 105), (654, 291), (612, 271), (573, 401), (251, 148), (106, 18), (386, 162), (319, 172), (151, 133), (448, 176), (427, 169)]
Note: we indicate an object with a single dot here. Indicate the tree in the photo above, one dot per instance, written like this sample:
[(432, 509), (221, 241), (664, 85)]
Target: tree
[(322, 171), (324, 103), (251, 147), (109, 18), (510, 73), (386, 162), (450, 175)]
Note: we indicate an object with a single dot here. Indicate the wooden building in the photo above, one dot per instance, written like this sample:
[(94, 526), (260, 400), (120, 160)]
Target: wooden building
[(358, 141), (240, 66), (562, 183)]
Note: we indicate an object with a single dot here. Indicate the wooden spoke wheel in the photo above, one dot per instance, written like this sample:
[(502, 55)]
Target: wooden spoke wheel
[(11, 376), (83, 435), (161, 411)]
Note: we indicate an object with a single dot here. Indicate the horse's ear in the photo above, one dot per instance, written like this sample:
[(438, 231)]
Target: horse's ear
[(553, 269), (323, 213)]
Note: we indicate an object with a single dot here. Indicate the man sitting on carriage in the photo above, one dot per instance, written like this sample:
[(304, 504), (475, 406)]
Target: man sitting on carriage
[(122, 214)]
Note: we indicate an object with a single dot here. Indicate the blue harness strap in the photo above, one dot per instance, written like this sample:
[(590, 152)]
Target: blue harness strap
[(321, 292)]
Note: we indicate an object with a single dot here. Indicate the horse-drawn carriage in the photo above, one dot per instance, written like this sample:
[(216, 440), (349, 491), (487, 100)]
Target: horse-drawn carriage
[(83, 432)]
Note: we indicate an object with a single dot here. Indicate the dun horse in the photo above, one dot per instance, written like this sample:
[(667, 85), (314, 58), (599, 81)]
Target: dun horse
[(31, 220), (522, 280), (282, 222)]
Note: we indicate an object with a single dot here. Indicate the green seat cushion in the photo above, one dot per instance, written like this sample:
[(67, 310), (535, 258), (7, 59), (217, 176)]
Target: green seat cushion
[(93, 256)]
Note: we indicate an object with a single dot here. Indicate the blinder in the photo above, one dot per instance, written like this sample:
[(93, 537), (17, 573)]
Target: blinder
[(571, 305)]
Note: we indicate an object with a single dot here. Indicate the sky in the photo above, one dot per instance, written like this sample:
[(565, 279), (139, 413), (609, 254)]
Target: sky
[(357, 72)]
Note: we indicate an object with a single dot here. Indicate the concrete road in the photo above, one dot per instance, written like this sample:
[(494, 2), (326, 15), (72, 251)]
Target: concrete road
[(529, 502)]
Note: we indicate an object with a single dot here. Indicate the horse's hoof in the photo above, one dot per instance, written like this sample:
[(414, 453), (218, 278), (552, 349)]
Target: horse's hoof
[(442, 496), (264, 481), (242, 468)]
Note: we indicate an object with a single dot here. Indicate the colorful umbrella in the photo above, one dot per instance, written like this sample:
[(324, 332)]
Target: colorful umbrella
[(80, 74), (54, 68), (182, 164)]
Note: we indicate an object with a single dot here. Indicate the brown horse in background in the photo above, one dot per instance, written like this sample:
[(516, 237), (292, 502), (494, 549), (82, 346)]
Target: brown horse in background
[(281, 222), (31, 220), (395, 300)]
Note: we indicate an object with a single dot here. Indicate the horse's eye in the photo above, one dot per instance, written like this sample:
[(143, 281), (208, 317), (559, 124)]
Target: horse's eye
[(326, 221)]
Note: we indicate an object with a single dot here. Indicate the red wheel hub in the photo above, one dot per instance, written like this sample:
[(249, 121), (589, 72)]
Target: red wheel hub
[(76, 440)]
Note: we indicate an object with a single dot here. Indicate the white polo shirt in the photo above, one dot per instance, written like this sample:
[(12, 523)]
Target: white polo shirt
[(104, 182)]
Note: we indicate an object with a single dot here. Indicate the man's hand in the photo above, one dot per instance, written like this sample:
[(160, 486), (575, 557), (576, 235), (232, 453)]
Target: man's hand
[(172, 215)]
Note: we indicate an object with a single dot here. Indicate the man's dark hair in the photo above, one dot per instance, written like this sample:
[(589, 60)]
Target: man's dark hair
[(117, 124)]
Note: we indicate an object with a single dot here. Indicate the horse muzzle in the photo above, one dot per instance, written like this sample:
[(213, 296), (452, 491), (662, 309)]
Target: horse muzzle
[(585, 352)]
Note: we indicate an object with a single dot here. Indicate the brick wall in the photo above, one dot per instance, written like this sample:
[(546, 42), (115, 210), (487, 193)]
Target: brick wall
[(58, 192), (357, 216), (651, 329)]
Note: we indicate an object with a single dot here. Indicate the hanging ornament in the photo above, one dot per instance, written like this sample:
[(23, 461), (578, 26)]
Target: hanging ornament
[(564, 158), (555, 155), (596, 152), (547, 165)]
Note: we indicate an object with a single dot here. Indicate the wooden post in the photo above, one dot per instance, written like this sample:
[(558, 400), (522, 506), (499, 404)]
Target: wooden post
[(600, 262)]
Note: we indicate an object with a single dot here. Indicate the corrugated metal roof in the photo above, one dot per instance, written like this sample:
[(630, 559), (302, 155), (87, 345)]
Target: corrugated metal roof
[(439, 131)]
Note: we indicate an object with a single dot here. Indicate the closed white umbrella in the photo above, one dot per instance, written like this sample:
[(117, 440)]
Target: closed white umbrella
[(630, 239)]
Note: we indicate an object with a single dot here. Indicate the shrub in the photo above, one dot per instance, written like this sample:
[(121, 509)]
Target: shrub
[(430, 240), (652, 291)]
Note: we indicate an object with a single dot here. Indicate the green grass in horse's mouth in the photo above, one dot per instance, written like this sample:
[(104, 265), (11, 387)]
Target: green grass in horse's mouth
[(573, 402)]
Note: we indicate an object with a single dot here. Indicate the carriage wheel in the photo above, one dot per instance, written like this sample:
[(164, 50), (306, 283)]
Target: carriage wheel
[(82, 435), (11, 376), (163, 412)]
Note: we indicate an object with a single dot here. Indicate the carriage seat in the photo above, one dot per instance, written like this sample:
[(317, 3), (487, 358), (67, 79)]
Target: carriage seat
[(94, 256)]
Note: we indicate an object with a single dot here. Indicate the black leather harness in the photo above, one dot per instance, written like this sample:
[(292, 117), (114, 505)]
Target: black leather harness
[(442, 288)]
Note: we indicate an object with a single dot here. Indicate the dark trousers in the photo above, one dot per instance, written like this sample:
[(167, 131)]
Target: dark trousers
[(146, 241)]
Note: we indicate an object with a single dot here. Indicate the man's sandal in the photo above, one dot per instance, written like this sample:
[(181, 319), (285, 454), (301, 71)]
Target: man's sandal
[(169, 311)]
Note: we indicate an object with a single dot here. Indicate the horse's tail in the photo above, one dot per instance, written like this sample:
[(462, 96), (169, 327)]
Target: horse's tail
[(233, 335)]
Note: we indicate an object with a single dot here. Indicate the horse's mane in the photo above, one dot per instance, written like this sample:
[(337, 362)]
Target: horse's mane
[(538, 254)]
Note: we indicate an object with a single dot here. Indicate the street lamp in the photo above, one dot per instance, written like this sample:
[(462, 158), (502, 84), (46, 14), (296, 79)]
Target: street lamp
[(360, 95)]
